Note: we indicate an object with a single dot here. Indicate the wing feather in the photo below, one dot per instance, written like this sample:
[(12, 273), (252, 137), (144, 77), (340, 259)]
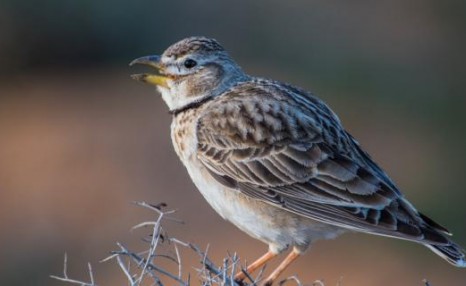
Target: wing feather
[(288, 149)]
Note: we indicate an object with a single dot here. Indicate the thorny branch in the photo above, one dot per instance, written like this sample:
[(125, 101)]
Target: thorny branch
[(140, 267)]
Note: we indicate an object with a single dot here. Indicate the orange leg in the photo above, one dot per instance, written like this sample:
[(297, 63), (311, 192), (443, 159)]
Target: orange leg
[(255, 265), (285, 263)]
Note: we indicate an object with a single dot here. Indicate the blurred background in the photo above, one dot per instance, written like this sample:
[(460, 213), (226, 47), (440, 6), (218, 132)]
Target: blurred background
[(79, 140)]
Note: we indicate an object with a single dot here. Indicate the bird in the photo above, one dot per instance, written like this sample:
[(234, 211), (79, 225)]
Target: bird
[(276, 161)]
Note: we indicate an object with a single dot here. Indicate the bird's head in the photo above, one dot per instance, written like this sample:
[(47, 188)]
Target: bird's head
[(190, 70)]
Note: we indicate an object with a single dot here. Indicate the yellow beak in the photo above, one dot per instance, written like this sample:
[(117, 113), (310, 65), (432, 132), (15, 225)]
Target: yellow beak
[(151, 79), (154, 79)]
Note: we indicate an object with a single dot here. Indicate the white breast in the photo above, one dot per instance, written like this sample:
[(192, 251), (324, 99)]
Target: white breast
[(215, 194)]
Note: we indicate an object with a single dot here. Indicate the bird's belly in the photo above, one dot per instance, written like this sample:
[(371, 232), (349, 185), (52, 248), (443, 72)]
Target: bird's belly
[(276, 227)]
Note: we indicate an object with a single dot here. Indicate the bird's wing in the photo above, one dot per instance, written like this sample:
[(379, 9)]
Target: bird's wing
[(283, 146)]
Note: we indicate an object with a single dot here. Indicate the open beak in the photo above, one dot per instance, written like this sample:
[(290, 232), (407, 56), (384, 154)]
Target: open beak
[(155, 79)]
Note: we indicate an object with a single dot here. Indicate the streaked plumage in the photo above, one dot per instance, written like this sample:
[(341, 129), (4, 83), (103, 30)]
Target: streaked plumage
[(275, 160)]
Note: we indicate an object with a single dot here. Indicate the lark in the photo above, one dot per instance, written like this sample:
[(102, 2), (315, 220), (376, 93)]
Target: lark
[(275, 160)]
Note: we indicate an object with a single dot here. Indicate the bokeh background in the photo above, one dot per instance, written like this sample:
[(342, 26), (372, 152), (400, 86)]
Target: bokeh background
[(79, 140)]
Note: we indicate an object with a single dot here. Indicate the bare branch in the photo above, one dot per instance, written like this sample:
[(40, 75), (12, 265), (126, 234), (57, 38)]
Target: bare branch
[(145, 266), (91, 274), (125, 270), (66, 279)]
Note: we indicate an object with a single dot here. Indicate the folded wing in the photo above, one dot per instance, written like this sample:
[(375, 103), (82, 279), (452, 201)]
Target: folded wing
[(285, 147)]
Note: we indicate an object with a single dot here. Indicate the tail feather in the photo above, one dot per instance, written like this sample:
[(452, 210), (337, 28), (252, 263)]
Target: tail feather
[(434, 225), (442, 245), (450, 252)]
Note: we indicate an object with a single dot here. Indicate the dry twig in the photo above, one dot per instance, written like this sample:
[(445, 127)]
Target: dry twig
[(139, 267)]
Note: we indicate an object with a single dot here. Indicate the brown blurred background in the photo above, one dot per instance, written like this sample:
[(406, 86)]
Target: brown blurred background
[(79, 140)]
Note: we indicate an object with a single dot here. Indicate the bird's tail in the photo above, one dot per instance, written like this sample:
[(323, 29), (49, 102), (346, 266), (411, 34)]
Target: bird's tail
[(450, 252), (445, 248)]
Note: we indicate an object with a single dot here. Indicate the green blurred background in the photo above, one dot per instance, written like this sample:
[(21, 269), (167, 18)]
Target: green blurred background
[(79, 140)]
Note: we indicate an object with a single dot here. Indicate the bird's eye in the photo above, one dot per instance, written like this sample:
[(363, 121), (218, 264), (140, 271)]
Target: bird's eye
[(190, 63)]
